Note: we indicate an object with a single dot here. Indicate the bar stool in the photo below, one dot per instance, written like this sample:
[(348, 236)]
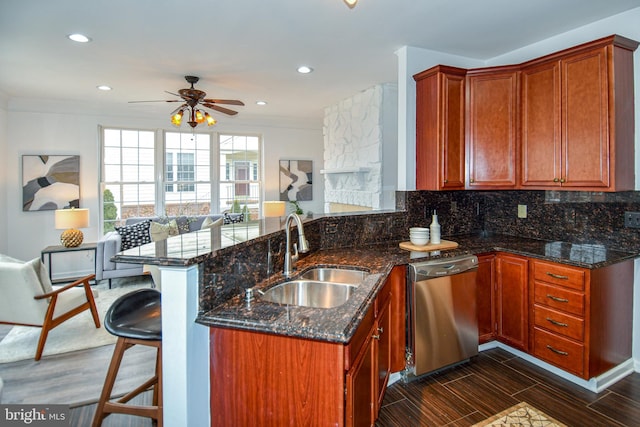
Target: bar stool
[(135, 319)]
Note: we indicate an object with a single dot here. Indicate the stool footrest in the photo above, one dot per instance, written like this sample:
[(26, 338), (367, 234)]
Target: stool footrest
[(141, 411)]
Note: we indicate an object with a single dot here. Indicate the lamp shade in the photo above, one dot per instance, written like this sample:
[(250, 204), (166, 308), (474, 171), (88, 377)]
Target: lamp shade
[(271, 209), (71, 218)]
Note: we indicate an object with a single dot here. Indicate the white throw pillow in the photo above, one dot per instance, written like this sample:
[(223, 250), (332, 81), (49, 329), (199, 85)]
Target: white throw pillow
[(208, 223), (159, 231)]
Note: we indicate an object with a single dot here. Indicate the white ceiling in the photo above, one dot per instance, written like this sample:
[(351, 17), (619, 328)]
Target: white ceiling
[(250, 49)]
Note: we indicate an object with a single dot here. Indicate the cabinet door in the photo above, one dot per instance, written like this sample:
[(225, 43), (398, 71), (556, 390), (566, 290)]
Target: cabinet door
[(360, 388), (585, 119), (485, 281), (440, 142), (492, 103), (541, 136), (512, 301), (383, 344)]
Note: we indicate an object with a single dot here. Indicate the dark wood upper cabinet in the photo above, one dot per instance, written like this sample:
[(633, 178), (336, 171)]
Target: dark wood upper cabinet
[(492, 127), (440, 109), (563, 121), (577, 118)]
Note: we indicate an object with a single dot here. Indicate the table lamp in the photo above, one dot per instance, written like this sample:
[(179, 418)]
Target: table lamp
[(273, 209), (70, 220)]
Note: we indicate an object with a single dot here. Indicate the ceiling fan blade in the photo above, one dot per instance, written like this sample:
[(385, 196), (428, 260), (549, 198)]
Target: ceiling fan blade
[(178, 109), (159, 100), (171, 93), (224, 101), (220, 109)]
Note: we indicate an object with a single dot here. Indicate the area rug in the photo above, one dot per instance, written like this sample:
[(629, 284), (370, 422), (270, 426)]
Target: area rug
[(77, 333), (523, 415)]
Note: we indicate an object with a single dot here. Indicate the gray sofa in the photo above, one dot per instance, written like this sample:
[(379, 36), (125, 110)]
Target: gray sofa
[(111, 243)]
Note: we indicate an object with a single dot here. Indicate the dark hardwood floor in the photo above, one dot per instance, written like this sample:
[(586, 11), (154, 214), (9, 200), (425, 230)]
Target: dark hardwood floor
[(496, 380)]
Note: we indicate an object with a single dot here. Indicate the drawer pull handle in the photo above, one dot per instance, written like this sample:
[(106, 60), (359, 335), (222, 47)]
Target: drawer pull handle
[(555, 322), (556, 299), (557, 276), (561, 353)]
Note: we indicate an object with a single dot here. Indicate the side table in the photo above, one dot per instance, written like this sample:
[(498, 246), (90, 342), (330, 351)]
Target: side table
[(57, 249)]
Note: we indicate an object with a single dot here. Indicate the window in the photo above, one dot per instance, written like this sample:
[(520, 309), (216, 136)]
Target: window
[(128, 175), (188, 178), (188, 184), (239, 165)]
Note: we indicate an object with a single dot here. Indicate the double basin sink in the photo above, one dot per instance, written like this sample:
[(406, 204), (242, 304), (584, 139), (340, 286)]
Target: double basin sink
[(320, 287)]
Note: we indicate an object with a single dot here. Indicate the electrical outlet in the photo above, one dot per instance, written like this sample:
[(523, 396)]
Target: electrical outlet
[(522, 211), (632, 219)]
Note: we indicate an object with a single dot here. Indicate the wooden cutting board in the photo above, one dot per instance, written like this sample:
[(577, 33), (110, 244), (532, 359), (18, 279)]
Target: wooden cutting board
[(443, 245)]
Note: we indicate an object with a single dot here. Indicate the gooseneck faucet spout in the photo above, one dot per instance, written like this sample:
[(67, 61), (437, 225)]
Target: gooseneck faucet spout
[(289, 258)]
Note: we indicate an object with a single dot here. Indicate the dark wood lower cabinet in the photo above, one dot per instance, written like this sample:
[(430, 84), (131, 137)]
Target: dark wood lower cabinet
[(577, 319), (512, 307), (485, 291), (265, 379)]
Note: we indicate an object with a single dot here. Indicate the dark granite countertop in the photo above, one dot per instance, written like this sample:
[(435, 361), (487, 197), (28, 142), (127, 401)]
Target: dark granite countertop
[(340, 323)]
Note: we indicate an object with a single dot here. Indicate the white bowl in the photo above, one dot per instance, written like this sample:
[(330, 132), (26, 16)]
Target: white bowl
[(418, 229), (418, 233), (419, 241)]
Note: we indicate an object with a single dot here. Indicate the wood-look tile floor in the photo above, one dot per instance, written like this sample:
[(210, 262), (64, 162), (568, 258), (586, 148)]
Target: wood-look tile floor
[(462, 396), (496, 380)]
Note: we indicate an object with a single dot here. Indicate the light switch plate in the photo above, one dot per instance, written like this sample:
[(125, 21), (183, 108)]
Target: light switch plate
[(522, 211)]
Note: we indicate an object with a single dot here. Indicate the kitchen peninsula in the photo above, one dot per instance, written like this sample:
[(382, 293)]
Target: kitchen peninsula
[(203, 285)]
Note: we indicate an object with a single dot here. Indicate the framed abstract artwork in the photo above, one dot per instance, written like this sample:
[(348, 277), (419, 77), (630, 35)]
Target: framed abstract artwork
[(296, 180), (50, 182)]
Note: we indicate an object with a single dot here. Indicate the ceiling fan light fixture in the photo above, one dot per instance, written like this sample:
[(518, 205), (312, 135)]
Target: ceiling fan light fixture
[(210, 120), (199, 117), (176, 119), (351, 3)]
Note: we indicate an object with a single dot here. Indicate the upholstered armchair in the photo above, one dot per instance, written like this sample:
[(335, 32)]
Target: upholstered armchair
[(28, 298)]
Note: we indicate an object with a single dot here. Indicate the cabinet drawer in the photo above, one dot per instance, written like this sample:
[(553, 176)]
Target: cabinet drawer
[(562, 275), (558, 322), (559, 351), (559, 298)]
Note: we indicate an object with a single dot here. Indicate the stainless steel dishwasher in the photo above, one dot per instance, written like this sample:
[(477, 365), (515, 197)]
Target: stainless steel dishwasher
[(442, 322)]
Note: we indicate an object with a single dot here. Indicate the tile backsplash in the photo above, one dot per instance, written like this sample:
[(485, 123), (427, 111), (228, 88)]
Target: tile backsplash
[(570, 216)]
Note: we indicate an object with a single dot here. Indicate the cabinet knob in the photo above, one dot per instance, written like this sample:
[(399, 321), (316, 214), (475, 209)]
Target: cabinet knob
[(375, 337), (471, 180), (562, 180), (446, 181), (381, 330), (556, 180)]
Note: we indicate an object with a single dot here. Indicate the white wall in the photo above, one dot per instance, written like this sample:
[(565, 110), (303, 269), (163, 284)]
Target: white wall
[(3, 175), (37, 132)]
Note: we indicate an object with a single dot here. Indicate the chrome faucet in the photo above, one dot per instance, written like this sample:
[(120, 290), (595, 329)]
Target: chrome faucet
[(290, 259)]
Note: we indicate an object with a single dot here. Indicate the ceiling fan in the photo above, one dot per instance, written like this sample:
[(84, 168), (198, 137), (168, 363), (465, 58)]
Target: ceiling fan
[(194, 99)]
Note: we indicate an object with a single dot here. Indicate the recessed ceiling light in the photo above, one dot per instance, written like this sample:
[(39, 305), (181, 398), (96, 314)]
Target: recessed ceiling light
[(80, 38), (104, 87), (261, 102), (304, 69)]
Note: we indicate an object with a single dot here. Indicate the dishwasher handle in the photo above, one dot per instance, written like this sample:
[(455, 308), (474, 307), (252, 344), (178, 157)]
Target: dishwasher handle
[(443, 267)]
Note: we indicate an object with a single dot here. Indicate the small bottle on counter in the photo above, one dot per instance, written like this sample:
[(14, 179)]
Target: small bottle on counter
[(434, 229)]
